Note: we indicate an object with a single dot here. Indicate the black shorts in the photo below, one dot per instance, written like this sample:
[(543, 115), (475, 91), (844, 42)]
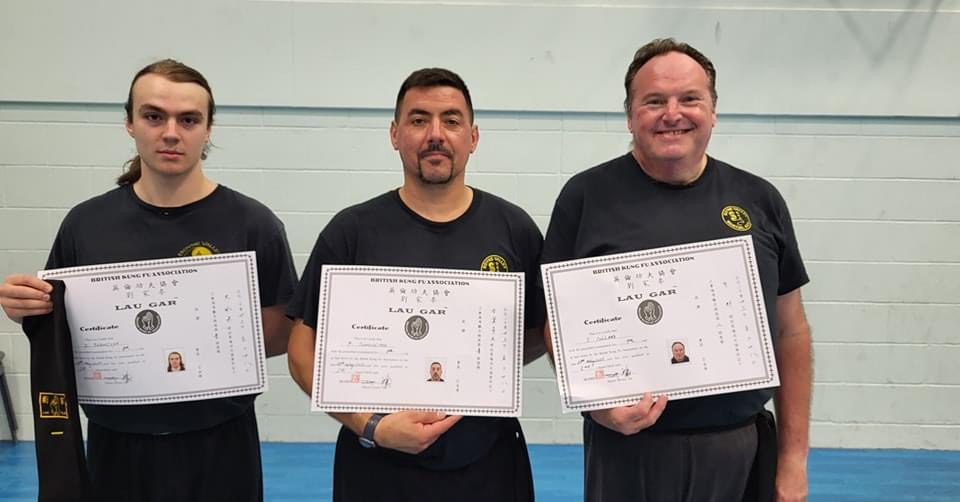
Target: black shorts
[(367, 475), (219, 463)]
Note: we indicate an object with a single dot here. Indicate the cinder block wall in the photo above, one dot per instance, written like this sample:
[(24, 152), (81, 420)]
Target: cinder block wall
[(875, 201), (872, 183)]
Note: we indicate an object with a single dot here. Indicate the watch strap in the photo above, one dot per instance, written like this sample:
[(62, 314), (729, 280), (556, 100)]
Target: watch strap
[(366, 439)]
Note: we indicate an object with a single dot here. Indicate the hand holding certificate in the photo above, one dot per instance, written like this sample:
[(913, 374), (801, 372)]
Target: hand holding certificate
[(684, 321), (161, 331), (391, 339)]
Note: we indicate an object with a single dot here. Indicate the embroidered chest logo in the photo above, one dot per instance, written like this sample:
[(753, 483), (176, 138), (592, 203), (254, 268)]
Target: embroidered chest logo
[(53, 405), (494, 263), (199, 248), (736, 218)]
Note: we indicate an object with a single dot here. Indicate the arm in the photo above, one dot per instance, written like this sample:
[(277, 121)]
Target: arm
[(792, 399), (276, 329), (24, 295), (533, 346), (406, 431), (300, 354), (548, 343)]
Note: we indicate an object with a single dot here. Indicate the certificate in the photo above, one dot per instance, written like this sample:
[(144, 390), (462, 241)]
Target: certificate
[(685, 321), (391, 339), (164, 331)]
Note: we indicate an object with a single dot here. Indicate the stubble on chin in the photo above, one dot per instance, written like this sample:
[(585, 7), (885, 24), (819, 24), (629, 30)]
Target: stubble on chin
[(438, 180)]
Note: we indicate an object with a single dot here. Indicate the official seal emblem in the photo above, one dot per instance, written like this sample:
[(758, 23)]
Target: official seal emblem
[(416, 327), (650, 312), (147, 322)]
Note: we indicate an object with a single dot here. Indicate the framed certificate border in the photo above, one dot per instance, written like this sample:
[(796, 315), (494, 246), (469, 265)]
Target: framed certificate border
[(769, 378), (249, 261), (319, 403)]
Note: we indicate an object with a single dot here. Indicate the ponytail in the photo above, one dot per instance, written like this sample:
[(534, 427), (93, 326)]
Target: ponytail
[(132, 174)]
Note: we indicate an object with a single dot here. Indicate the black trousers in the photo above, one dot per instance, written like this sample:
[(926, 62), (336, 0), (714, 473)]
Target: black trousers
[(220, 463), (367, 475), (662, 466)]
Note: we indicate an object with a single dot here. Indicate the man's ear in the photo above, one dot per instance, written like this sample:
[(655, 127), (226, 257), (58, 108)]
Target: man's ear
[(393, 135)]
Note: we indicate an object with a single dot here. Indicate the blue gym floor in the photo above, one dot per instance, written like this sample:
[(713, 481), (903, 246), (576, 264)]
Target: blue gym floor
[(302, 471)]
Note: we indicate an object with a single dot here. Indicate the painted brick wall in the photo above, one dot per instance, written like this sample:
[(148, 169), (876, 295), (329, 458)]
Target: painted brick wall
[(875, 200)]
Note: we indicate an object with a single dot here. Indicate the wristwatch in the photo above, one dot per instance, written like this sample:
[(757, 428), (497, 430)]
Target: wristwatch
[(366, 439)]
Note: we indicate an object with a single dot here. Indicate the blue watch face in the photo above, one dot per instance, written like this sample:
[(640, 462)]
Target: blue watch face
[(366, 443)]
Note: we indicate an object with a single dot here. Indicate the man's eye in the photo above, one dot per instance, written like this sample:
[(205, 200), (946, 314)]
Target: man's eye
[(152, 117), (654, 102), (453, 122), (190, 121), (418, 121)]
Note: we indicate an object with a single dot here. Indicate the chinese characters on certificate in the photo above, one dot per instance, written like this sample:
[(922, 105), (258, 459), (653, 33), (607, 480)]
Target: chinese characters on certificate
[(390, 339), (684, 321), (163, 331)]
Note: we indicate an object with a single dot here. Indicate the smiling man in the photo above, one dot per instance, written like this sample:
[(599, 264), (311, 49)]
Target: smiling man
[(679, 353), (165, 207), (715, 448), (433, 220)]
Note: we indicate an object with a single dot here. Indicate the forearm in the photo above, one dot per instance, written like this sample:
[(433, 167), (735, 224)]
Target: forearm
[(792, 399), (300, 355), (276, 329), (548, 343), (353, 421), (300, 361), (533, 346)]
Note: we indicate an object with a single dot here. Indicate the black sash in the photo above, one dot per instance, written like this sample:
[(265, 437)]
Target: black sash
[(61, 465), (763, 476)]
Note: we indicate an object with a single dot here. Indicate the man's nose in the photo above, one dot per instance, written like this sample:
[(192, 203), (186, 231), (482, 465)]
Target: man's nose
[(672, 111), (170, 131), (434, 131)]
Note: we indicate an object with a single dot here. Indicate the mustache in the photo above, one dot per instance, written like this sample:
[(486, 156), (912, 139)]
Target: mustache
[(435, 147)]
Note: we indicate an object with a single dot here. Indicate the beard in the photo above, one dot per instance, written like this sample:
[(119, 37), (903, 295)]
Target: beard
[(434, 174), (438, 178)]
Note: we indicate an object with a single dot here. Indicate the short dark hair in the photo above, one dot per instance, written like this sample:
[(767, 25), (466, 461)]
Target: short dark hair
[(433, 77), (174, 71), (659, 47)]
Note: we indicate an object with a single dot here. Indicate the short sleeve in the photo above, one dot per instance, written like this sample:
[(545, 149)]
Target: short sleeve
[(792, 272), (331, 248), (276, 272)]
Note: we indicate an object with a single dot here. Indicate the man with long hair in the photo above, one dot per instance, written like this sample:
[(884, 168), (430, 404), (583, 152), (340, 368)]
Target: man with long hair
[(165, 206)]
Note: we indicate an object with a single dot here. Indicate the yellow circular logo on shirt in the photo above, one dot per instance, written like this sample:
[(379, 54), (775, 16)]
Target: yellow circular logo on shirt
[(736, 218), (494, 263), (199, 248)]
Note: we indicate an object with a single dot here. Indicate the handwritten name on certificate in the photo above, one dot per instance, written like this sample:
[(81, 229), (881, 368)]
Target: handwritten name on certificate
[(391, 339), (163, 331), (685, 321)]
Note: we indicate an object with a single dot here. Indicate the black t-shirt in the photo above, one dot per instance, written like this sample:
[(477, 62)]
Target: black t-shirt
[(492, 235), (117, 226), (616, 208)]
